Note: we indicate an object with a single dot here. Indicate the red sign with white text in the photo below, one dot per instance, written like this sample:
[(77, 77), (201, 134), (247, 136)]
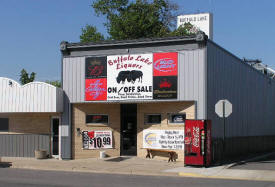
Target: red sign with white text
[(165, 64), (96, 89)]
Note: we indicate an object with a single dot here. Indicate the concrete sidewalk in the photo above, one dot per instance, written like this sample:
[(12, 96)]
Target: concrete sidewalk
[(119, 165), (139, 166)]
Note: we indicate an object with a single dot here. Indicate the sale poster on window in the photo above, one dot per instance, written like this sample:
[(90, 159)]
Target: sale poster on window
[(97, 139)]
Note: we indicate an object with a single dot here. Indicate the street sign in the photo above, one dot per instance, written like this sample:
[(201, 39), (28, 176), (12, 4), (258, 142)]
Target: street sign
[(223, 108)]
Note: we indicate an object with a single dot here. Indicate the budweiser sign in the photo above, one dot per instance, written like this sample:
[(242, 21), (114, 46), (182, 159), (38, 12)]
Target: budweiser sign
[(165, 64)]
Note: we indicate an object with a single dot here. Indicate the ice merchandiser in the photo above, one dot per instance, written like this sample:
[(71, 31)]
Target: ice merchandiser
[(197, 143)]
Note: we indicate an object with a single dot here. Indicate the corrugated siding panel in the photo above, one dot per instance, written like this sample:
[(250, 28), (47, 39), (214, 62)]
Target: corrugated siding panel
[(23, 145), (32, 97), (192, 78), (73, 78), (191, 81), (251, 93)]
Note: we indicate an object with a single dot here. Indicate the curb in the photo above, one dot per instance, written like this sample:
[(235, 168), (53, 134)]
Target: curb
[(195, 175), (142, 173)]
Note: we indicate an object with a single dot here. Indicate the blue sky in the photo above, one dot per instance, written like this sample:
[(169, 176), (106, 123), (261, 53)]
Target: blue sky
[(31, 30)]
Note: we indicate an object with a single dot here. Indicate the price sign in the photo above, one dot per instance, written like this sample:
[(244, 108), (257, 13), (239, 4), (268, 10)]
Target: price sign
[(97, 139)]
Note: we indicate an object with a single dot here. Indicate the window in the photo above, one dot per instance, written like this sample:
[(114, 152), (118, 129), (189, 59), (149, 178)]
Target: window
[(4, 124), (177, 118), (153, 118), (97, 118)]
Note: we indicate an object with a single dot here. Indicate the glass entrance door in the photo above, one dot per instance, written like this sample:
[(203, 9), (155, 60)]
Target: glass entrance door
[(128, 129), (55, 136)]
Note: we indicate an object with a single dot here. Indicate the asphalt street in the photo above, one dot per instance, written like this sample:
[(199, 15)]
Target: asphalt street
[(19, 177)]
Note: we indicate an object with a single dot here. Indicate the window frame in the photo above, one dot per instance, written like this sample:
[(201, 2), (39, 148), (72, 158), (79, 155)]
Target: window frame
[(95, 124), (8, 125), (146, 115)]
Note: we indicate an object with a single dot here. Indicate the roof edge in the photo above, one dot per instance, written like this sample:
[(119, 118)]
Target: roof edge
[(196, 38)]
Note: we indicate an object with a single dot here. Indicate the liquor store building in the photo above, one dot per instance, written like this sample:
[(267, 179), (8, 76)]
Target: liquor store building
[(123, 97)]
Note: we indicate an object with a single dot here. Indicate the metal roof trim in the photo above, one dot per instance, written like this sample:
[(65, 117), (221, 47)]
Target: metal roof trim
[(130, 42)]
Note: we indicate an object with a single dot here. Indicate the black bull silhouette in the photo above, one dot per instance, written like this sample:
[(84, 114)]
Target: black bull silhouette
[(130, 76)]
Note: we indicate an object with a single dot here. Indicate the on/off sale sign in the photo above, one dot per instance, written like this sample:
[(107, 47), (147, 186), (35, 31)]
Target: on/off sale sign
[(97, 139), (130, 77)]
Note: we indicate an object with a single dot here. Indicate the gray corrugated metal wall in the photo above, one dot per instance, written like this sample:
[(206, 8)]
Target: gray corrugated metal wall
[(251, 93), (74, 78), (23, 145), (191, 78), (65, 133)]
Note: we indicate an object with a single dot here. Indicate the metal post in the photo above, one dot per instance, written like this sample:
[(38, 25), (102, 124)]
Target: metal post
[(223, 109)]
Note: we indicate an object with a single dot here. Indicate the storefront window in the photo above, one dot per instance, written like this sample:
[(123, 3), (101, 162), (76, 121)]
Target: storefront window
[(4, 124), (153, 118), (97, 118), (177, 118)]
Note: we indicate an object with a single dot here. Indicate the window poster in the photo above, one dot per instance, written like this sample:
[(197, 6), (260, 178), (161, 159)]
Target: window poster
[(97, 139)]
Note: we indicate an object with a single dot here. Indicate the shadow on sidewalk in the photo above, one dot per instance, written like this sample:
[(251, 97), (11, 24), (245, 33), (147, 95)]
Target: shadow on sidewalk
[(5, 164), (117, 159)]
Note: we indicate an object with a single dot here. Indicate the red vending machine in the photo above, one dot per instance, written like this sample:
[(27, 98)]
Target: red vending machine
[(197, 142)]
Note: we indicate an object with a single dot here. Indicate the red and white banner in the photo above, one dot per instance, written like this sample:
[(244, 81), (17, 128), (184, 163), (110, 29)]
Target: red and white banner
[(97, 139), (165, 64), (95, 89)]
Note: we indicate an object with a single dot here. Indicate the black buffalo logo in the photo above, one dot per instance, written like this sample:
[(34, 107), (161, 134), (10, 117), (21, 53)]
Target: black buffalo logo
[(130, 76)]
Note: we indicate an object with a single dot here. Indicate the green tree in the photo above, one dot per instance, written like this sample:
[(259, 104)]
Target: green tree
[(55, 83), (135, 19), (185, 30), (25, 78), (90, 34)]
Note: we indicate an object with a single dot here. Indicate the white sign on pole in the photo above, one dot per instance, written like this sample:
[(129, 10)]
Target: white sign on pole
[(203, 21), (163, 139), (223, 108)]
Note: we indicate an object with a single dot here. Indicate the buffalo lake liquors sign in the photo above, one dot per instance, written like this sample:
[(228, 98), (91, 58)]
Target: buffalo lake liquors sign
[(97, 139), (163, 139), (129, 77)]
